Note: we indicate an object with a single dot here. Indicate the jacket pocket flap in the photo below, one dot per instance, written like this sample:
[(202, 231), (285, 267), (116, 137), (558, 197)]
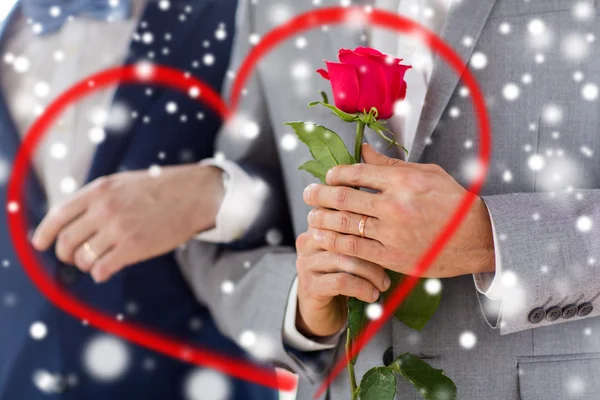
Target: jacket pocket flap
[(561, 377)]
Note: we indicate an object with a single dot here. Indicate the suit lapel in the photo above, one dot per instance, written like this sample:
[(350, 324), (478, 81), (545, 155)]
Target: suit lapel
[(465, 19), (162, 24)]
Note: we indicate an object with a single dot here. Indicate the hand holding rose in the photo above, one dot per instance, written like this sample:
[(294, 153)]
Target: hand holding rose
[(412, 206)]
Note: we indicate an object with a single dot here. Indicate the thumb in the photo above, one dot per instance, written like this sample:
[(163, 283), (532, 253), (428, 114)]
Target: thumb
[(371, 156)]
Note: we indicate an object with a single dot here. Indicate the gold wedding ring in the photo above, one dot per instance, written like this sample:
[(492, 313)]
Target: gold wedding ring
[(361, 225), (91, 253)]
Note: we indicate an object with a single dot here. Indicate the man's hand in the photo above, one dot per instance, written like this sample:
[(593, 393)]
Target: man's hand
[(413, 204), (325, 280), (129, 217)]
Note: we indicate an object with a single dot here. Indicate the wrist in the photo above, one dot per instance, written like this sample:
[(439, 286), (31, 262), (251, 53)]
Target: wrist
[(325, 322), (208, 182)]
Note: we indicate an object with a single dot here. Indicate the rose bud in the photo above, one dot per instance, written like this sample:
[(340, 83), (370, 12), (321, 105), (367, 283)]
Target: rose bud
[(366, 78)]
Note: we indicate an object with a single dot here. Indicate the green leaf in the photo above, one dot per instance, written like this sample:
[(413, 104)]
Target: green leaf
[(317, 169), (344, 116), (357, 319), (325, 145), (418, 307), (378, 383), (431, 383)]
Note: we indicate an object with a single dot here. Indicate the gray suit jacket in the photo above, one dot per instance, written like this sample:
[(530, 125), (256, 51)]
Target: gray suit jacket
[(535, 217)]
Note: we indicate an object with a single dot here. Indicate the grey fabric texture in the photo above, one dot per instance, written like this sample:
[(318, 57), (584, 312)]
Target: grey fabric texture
[(536, 211)]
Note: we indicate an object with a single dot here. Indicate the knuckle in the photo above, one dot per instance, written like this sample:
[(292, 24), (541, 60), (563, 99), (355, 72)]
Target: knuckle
[(103, 184), (343, 222), (340, 281), (341, 197), (356, 172), (391, 162), (351, 245), (108, 207), (301, 265)]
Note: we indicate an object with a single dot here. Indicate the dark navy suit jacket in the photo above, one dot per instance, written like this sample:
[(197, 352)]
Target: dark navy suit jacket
[(161, 298)]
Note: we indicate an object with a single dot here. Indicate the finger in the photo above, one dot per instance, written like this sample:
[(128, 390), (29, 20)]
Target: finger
[(57, 219), (343, 222), (108, 265), (340, 198), (97, 245), (350, 245), (328, 262), (342, 284), (360, 175), (373, 157), (73, 236), (305, 243)]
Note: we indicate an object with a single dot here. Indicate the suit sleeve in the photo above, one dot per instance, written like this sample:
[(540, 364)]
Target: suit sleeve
[(549, 244)]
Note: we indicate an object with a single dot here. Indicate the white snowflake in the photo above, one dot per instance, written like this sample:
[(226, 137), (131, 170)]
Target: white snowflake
[(171, 107), (374, 311), (536, 162), (584, 223), (106, 358), (164, 4), (552, 114), (433, 286), (511, 91), (207, 384), (468, 340), (96, 135), (227, 287), (590, 92), (21, 64), (575, 47), (38, 330), (208, 59), (68, 185)]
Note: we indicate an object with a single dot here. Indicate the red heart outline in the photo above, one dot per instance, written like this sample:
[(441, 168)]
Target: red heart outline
[(179, 80)]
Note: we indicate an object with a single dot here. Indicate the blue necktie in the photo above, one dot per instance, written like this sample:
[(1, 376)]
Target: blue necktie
[(52, 14)]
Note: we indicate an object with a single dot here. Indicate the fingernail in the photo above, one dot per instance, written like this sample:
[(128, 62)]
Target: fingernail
[(311, 216), (375, 294), (387, 282), (329, 175), (308, 189), (96, 276), (318, 236)]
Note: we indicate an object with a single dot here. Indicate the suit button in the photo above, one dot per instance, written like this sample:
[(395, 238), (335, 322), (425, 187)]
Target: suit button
[(553, 313), (569, 311), (537, 315), (388, 356), (68, 275), (585, 309)]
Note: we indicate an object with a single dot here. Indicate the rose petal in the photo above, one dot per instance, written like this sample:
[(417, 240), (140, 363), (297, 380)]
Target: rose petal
[(344, 85), (323, 73), (371, 80), (365, 51), (394, 75)]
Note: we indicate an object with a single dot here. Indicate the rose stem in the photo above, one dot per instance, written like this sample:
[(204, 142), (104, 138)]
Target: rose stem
[(353, 390), (360, 132)]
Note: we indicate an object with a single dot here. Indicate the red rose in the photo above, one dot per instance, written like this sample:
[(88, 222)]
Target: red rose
[(366, 78)]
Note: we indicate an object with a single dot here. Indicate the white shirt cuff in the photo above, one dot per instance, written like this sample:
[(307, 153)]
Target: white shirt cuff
[(295, 339), (490, 283), (242, 203)]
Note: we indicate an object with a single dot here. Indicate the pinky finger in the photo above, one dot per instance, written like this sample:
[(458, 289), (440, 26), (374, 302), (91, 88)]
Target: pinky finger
[(344, 284), (108, 265)]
